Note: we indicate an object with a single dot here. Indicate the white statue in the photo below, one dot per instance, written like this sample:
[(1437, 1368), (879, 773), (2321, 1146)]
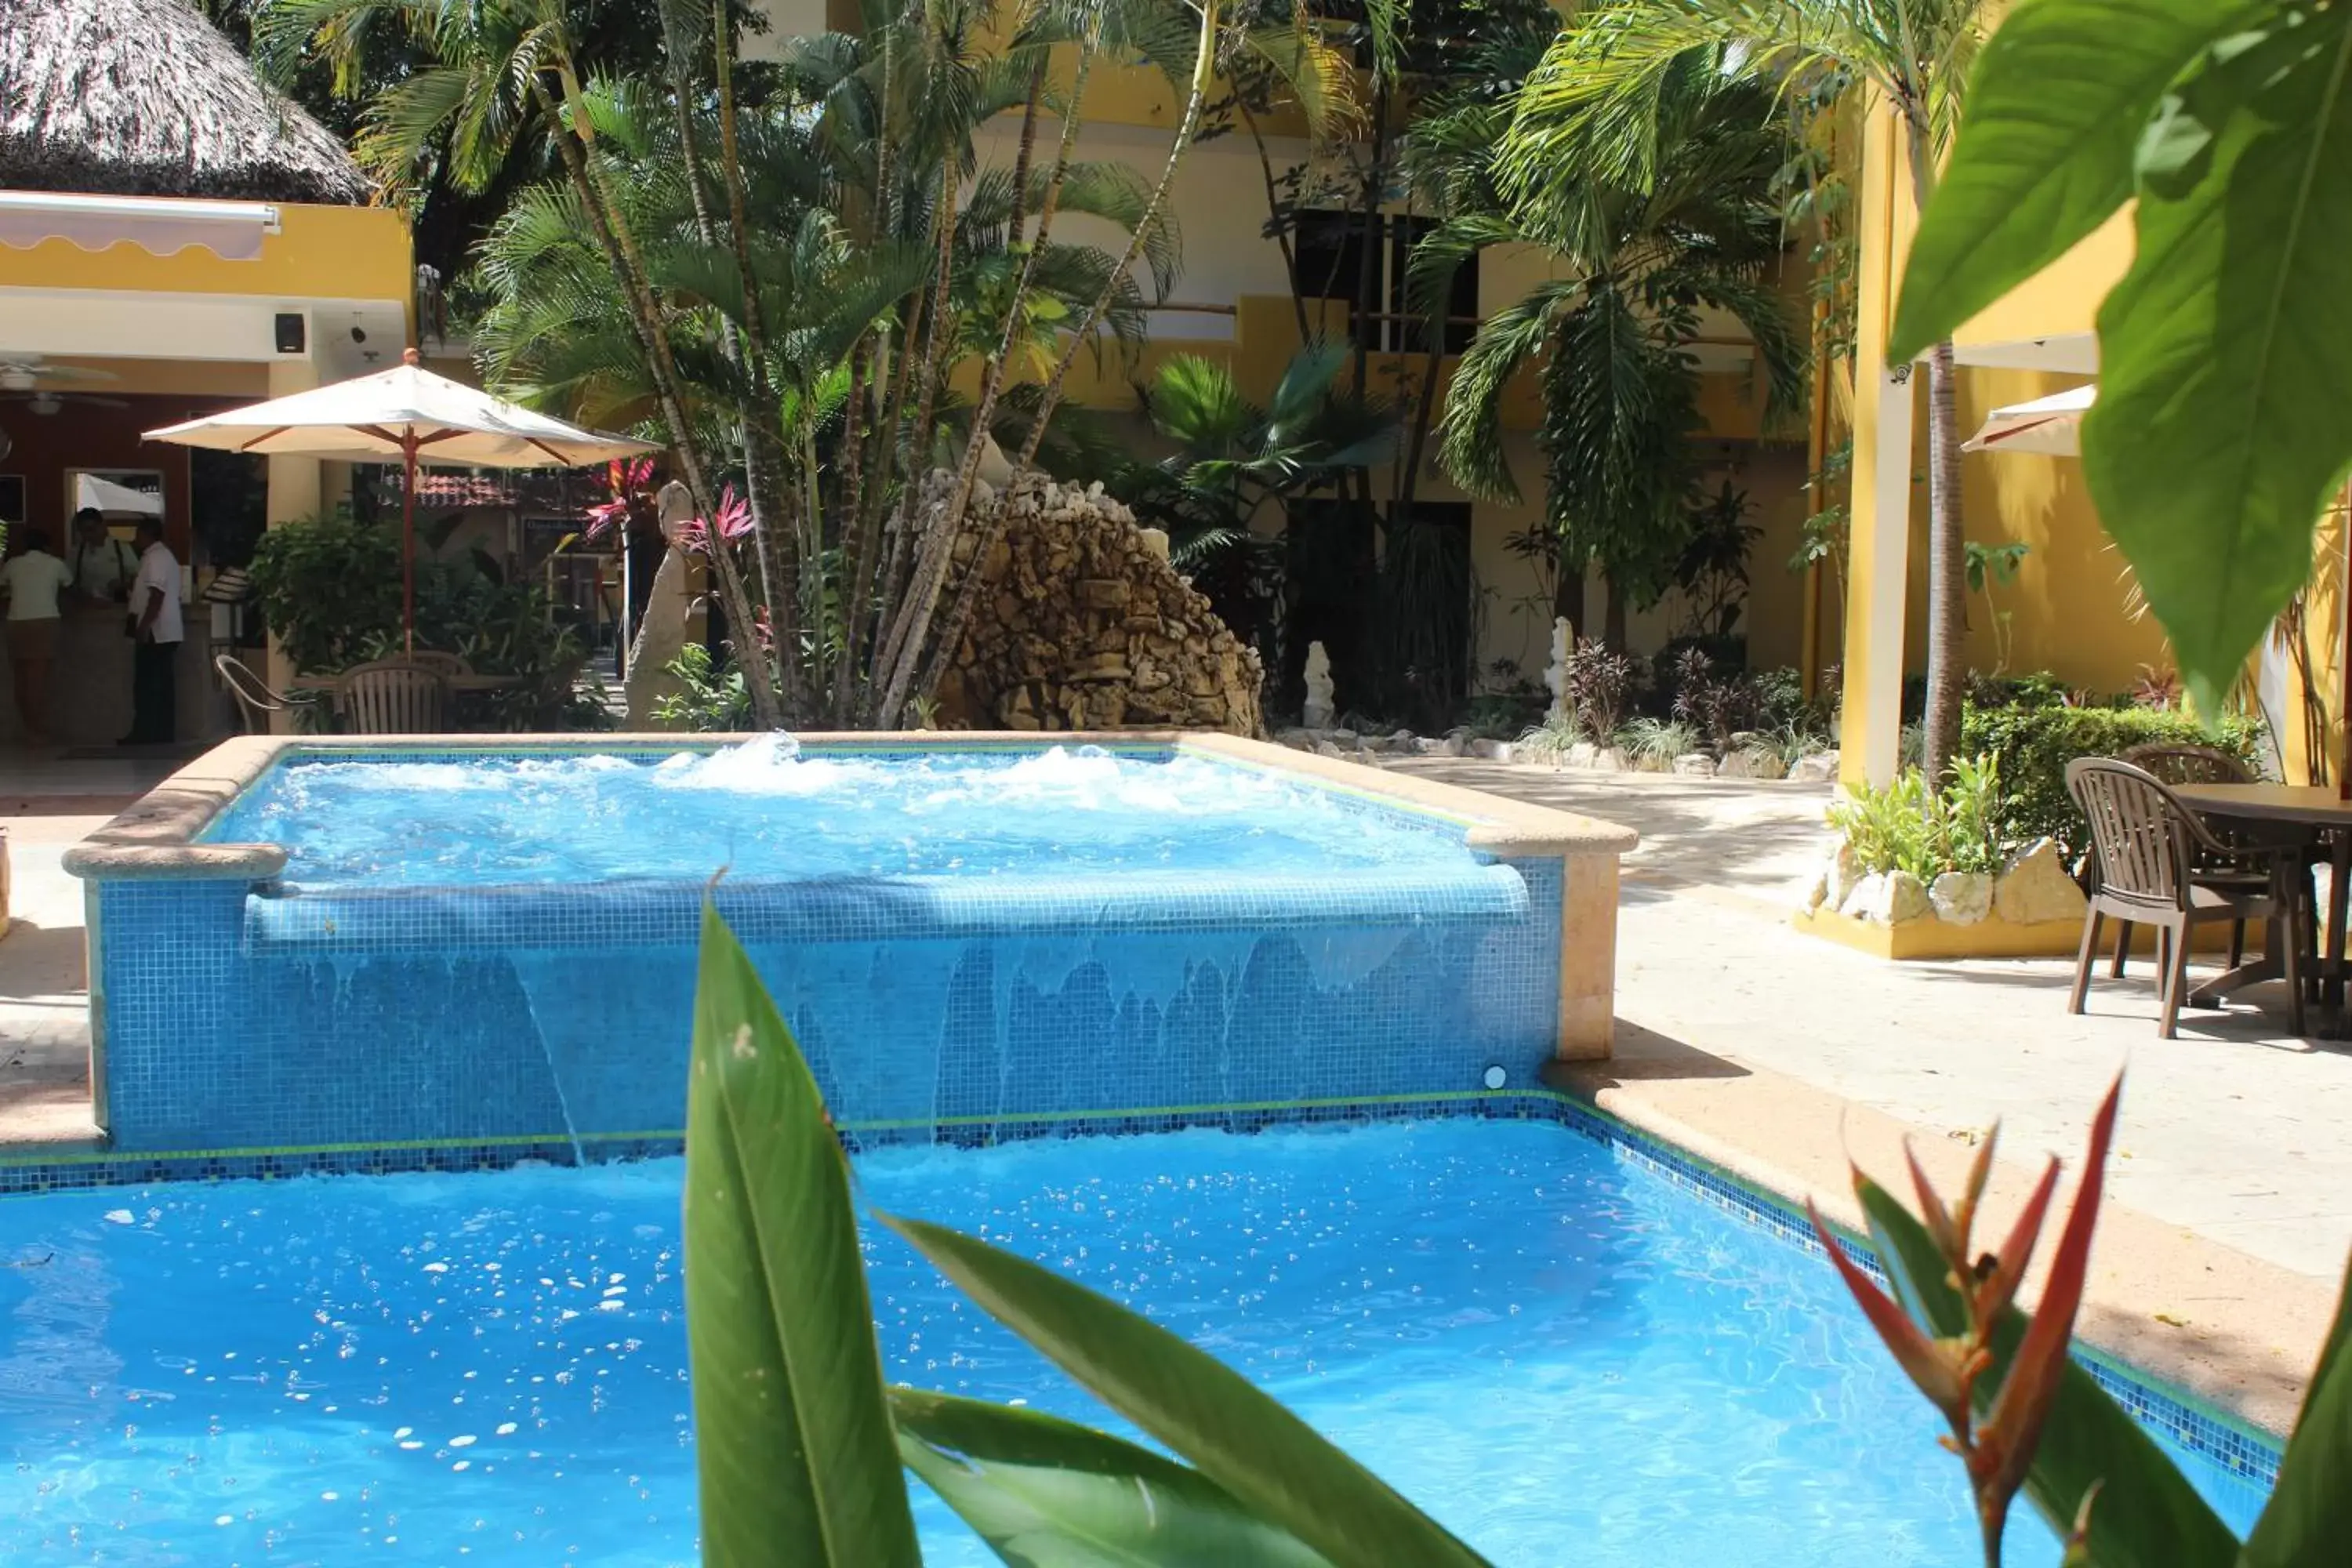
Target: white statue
[(1556, 674), (1319, 713)]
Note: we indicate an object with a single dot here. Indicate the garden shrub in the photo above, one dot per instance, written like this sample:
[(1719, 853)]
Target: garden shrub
[(1907, 826), (328, 586), (2032, 744)]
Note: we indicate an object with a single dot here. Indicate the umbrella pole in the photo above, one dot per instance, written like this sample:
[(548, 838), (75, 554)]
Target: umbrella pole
[(408, 542)]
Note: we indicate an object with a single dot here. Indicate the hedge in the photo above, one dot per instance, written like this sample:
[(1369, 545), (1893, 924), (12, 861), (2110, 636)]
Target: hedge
[(2034, 743)]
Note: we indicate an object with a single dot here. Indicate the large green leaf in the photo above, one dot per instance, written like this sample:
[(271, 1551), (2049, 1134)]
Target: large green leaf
[(2147, 1514), (791, 1423), (1272, 1463), (2055, 108), (2225, 390), (1049, 1493), (2309, 1518)]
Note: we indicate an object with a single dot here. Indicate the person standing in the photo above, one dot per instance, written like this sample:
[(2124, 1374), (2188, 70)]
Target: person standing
[(32, 578), (102, 564), (156, 629)]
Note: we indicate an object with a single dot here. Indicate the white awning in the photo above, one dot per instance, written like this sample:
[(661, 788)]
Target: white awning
[(105, 495), (164, 226)]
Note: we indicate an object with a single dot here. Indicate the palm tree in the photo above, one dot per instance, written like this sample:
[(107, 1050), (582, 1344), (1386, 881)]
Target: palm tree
[(1637, 253), (1914, 55)]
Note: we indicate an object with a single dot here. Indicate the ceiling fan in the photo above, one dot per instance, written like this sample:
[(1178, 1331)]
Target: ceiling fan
[(28, 379)]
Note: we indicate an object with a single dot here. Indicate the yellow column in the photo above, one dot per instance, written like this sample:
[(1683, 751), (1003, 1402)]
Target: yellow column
[(295, 493), (1878, 546)]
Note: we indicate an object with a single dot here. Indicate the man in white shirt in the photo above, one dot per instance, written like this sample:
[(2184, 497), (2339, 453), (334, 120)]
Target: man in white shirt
[(32, 578), (155, 628)]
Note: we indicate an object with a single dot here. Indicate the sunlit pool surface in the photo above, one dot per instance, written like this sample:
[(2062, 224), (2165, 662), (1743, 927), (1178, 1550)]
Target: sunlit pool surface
[(1564, 1358), (766, 809)]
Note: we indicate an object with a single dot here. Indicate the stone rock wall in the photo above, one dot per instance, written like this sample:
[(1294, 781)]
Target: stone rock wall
[(1082, 624)]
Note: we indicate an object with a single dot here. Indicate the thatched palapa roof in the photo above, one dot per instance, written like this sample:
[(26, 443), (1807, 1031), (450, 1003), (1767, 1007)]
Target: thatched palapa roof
[(147, 97)]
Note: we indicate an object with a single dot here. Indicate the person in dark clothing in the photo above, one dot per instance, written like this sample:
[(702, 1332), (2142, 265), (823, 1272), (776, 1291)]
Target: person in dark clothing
[(155, 628)]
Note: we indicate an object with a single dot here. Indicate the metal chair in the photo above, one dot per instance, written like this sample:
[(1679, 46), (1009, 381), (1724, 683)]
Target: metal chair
[(2145, 841), (257, 700), (392, 698), (2173, 762)]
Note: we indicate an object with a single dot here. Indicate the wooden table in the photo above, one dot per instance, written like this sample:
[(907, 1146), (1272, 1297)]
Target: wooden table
[(2316, 807)]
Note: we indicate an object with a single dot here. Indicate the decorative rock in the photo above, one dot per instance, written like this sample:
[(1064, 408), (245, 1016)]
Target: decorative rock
[(1695, 765), (1079, 622), (1580, 755), (1491, 751), (1815, 892), (1155, 540), (2036, 886), (1867, 894), (1319, 712), (1961, 898), (1901, 897), (1749, 764), (1326, 748), (1821, 767), (1843, 872), (1610, 760)]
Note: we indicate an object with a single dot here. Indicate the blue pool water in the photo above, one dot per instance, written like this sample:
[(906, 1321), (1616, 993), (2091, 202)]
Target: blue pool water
[(1563, 1358), (765, 810)]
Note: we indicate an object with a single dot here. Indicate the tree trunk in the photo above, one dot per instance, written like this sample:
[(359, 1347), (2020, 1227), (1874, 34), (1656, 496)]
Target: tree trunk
[(1568, 598), (653, 337), (1947, 567)]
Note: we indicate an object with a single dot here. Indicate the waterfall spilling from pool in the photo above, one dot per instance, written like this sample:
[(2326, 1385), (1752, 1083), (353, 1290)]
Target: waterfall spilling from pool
[(966, 941)]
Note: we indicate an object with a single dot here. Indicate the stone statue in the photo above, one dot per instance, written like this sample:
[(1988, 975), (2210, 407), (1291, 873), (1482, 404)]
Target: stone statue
[(661, 633), (1319, 713), (1556, 674)]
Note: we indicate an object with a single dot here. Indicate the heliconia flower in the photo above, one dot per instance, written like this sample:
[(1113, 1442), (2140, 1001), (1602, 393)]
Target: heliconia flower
[(1930, 1366), (734, 523)]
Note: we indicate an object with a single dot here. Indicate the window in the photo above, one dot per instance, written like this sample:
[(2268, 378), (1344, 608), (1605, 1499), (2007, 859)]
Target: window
[(1327, 253)]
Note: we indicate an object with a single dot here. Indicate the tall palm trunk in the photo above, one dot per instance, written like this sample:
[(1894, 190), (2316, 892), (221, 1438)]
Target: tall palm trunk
[(764, 454), (952, 631), (1947, 551), (894, 673), (1947, 566), (575, 144)]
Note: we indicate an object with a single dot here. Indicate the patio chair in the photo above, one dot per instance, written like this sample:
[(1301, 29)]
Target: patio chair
[(448, 666), (2177, 763), (2144, 841), (391, 698), (257, 700)]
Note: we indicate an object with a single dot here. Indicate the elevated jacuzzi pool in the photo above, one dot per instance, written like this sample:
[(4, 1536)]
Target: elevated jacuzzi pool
[(313, 951)]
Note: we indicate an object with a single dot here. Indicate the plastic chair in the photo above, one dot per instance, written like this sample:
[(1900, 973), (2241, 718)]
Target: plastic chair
[(2174, 763), (391, 698), (448, 666), (2146, 839), (257, 700)]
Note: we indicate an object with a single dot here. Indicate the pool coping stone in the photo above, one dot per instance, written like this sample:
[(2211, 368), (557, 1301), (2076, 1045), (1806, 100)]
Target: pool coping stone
[(157, 836)]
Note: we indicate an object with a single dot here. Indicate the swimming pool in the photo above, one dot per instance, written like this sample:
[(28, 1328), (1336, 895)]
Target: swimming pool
[(336, 952), (1559, 1353)]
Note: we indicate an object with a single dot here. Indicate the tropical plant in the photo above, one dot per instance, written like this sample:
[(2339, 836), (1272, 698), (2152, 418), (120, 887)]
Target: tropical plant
[(1990, 565), (802, 1448), (1711, 574), (2024, 1416), (1652, 743), (1718, 703), (1594, 93), (1233, 458), (706, 698), (2224, 416), (1688, 220), (783, 284), (1601, 684), (1913, 826), (326, 586)]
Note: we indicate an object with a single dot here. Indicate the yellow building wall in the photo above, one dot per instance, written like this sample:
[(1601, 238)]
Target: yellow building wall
[(319, 252)]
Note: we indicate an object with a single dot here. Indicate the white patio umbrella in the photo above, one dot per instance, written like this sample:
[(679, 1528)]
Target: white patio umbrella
[(2053, 425), (407, 413)]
